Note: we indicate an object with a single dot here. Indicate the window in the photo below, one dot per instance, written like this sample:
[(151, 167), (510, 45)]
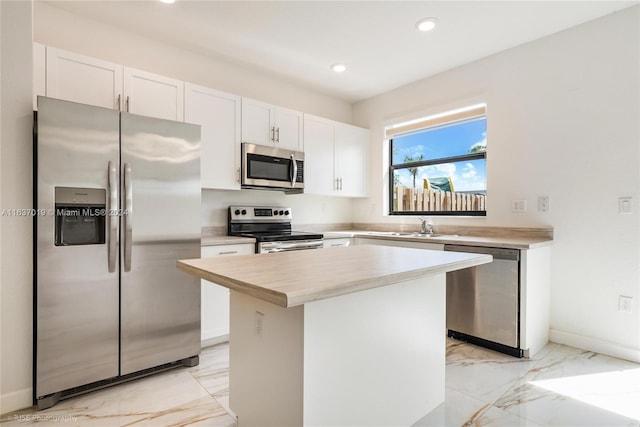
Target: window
[(438, 164)]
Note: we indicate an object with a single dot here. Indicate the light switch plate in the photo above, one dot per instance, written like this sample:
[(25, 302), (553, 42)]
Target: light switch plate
[(625, 205), (518, 206)]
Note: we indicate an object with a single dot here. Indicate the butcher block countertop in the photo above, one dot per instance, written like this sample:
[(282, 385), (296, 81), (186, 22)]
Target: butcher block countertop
[(294, 278)]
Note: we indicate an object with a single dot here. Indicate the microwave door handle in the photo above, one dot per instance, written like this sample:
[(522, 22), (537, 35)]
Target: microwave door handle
[(295, 171)]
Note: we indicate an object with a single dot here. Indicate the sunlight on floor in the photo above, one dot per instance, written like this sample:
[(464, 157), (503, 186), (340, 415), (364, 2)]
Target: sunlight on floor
[(616, 391)]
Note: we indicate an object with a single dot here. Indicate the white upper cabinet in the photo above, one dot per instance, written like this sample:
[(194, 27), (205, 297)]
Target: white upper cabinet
[(218, 114), (289, 128), (152, 95), (319, 156), (257, 123), (352, 159), (92, 81), (336, 156), (266, 124), (83, 79)]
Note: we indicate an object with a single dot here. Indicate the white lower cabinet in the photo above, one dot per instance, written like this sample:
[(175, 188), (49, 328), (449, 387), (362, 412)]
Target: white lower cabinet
[(215, 298)]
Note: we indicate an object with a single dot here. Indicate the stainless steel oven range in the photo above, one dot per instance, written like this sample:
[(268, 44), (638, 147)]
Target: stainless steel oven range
[(271, 227)]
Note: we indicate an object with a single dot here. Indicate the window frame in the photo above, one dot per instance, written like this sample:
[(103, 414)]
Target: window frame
[(455, 119)]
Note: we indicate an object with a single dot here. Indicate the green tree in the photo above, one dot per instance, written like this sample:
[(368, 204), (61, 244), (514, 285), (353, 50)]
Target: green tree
[(478, 148), (414, 170)]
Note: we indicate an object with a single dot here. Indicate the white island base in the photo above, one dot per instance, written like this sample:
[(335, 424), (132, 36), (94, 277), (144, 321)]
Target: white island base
[(375, 357)]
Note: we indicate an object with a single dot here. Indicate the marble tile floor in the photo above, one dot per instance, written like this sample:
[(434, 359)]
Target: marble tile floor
[(561, 386)]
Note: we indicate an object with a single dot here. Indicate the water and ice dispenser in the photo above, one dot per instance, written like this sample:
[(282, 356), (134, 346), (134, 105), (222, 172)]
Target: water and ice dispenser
[(80, 216)]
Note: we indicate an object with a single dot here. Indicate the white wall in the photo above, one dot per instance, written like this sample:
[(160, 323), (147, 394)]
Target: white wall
[(563, 121), (307, 209), (16, 122)]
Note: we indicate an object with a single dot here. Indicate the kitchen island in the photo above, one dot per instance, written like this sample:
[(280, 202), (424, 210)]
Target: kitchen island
[(342, 336)]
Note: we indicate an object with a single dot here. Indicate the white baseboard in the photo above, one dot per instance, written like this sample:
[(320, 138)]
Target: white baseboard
[(214, 341), (16, 400), (595, 345)]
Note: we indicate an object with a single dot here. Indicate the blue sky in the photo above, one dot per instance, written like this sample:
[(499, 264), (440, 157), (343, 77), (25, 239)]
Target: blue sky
[(445, 142)]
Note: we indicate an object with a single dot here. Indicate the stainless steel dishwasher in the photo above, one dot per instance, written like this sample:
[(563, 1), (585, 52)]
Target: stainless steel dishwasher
[(483, 302)]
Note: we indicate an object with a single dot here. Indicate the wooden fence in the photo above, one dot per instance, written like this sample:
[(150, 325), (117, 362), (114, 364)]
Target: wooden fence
[(419, 199)]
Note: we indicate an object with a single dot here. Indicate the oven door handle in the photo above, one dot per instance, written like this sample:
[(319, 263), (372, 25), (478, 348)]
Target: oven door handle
[(290, 246), (295, 171)]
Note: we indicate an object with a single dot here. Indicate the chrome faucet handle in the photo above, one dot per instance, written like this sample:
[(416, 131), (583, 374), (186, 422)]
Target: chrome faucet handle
[(423, 225)]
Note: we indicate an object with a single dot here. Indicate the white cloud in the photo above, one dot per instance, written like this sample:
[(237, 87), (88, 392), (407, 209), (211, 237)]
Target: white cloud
[(469, 171)]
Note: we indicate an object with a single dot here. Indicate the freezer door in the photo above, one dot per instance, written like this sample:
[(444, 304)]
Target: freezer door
[(160, 306), (76, 265)]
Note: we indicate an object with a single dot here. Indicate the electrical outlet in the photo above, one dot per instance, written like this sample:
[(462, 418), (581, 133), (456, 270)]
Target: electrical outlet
[(625, 304), (259, 323), (543, 204)]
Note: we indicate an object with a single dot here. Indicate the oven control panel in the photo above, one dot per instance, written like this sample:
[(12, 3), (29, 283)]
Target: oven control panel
[(260, 213)]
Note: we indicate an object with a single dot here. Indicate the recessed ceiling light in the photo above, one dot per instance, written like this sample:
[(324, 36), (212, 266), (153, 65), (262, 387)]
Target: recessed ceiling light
[(168, 1), (426, 24), (339, 68)]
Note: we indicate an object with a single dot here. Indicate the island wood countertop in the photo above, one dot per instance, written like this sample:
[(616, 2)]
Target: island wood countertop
[(294, 278)]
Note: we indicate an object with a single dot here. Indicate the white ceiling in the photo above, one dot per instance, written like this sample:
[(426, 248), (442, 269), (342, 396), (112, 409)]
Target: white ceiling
[(377, 40)]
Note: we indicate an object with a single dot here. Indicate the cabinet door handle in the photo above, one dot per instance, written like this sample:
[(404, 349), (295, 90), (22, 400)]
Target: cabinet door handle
[(238, 175), (119, 102), (337, 184), (277, 134), (273, 134), (227, 253), (127, 104)]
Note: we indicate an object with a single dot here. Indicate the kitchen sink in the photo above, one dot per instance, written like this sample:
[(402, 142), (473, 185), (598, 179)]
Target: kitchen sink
[(409, 234), (427, 236)]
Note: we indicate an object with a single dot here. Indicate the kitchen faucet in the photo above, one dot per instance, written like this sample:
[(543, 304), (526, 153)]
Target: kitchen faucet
[(424, 225)]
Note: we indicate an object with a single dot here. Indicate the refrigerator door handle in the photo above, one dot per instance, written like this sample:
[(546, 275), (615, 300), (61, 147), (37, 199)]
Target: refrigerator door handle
[(128, 212), (113, 219)]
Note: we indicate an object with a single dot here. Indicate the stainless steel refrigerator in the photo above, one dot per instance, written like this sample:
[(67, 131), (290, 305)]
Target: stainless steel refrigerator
[(117, 198)]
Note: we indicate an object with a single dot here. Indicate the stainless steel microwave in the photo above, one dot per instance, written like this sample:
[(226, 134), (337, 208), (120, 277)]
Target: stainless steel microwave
[(271, 168)]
